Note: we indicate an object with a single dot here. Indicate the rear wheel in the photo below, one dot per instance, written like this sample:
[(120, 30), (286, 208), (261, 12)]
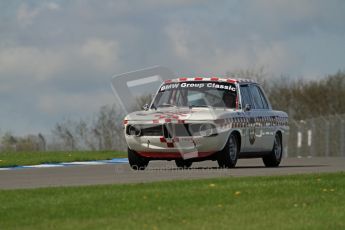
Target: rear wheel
[(275, 157), (135, 161), (227, 158), (180, 163)]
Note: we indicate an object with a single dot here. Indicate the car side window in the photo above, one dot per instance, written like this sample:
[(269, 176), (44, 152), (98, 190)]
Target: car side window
[(258, 103), (245, 94), (263, 98)]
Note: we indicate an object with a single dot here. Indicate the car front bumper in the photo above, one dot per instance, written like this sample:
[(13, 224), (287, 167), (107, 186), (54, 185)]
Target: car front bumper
[(177, 147)]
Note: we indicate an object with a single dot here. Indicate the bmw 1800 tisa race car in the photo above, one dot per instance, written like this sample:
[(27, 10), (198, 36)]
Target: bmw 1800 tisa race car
[(196, 119)]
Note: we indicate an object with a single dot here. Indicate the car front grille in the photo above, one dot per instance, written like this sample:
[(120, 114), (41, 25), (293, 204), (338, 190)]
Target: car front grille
[(151, 130), (176, 130)]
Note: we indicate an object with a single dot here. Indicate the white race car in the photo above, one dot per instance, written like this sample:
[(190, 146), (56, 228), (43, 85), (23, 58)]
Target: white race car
[(196, 119)]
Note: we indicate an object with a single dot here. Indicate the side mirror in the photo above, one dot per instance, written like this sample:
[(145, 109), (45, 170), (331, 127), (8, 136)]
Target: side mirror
[(247, 107), (146, 107)]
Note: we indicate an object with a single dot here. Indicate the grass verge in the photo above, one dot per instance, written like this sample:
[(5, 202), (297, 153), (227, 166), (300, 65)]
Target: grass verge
[(286, 202), (10, 159)]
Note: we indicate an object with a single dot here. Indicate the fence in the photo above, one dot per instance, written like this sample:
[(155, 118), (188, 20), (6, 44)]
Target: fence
[(315, 137), (322, 136)]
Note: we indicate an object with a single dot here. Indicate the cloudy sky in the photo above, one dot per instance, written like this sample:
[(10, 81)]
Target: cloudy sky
[(57, 57)]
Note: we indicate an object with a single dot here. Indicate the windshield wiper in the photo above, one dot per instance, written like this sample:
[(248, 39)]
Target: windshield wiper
[(154, 107), (208, 106), (166, 105)]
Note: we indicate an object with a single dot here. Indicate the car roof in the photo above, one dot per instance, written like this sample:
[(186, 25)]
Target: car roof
[(214, 79)]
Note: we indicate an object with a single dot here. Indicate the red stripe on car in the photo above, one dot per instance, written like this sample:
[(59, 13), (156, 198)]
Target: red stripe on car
[(167, 155), (231, 80)]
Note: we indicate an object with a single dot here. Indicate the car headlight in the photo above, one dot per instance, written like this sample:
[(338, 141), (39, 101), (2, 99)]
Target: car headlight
[(134, 130), (207, 130)]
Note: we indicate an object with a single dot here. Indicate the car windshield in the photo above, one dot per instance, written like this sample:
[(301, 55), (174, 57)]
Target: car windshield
[(196, 94)]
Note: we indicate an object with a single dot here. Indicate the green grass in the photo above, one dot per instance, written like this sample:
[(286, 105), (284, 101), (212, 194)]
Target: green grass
[(8, 159), (285, 202)]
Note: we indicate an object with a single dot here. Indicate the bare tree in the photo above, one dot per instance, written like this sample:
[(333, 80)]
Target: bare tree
[(8, 141), (64, 132), (85, 135), (42, 142), (105, 132), (108, 127), (258, 74)]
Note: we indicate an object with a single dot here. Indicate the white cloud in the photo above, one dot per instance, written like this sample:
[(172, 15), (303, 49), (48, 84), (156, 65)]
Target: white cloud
[(206, 56), (179, 38), (27, 14), (74, 103), (283, 10), (22, 65), (278, 58), (101, 53), (52, 6), (170, 3)]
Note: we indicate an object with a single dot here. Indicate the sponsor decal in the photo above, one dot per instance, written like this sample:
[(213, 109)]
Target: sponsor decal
[(251, 130), (169, 86)]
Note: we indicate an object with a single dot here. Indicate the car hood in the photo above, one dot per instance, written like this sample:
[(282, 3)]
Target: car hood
[(196, 114)]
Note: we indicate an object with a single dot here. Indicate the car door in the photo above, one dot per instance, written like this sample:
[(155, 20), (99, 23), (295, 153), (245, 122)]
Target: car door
[(258, 114), (251, 142), (263, 116), (268, 124)]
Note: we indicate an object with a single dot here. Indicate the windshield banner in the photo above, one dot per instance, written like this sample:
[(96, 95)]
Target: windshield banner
[(198, 85)]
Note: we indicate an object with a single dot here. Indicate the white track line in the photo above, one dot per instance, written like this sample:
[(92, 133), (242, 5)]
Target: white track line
[(66, 164)]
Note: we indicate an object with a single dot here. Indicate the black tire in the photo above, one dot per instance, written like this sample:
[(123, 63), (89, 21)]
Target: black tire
[(275, 157), (135, 161), (227, 158), (184, 164)]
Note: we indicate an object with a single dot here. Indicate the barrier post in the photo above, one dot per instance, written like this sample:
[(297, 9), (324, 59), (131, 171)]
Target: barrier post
[(327, 136), (342, 138)]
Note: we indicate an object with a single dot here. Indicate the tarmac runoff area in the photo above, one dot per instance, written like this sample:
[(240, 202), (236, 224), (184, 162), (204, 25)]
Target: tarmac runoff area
[(117, 171)]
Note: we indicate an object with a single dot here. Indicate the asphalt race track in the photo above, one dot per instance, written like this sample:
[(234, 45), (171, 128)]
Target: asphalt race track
[(158, 171)]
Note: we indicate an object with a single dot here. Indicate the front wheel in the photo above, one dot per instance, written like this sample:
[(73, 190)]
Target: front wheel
[(227, 158), (275, 157), (135, 161)]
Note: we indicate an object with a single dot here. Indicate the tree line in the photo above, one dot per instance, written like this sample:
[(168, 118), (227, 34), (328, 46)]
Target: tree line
[(306, 99)]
